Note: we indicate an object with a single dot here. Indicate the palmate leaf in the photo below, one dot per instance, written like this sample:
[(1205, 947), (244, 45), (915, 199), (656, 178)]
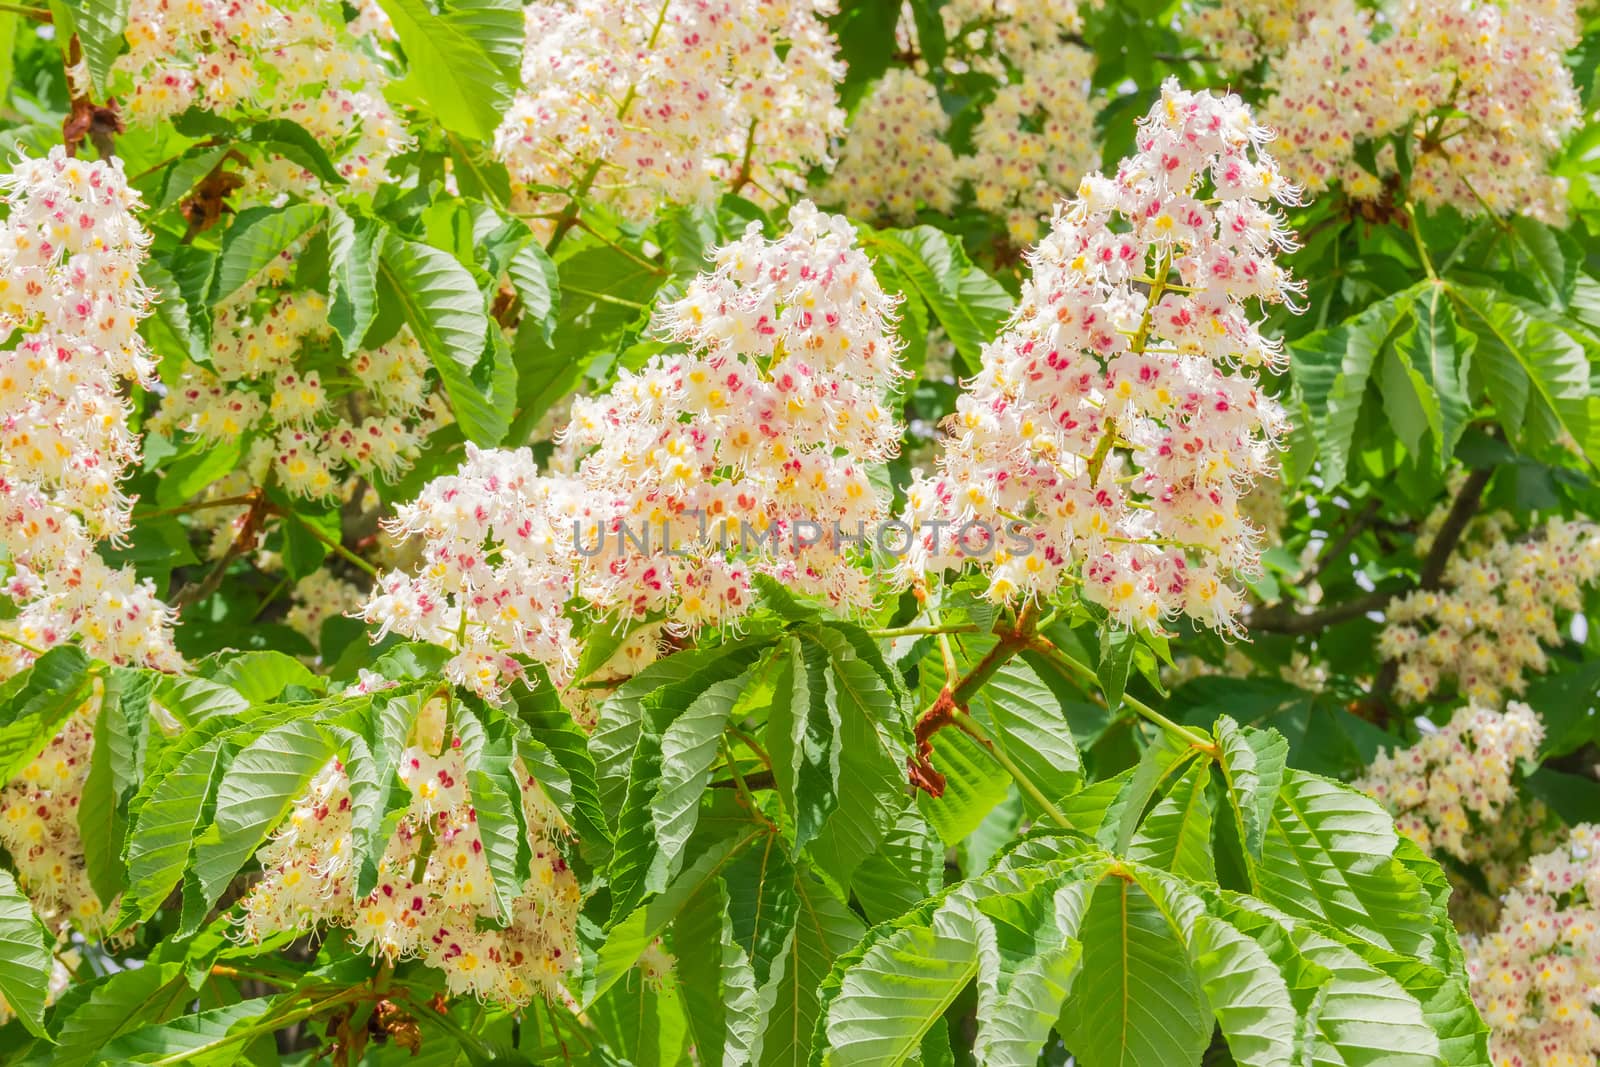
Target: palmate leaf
[(1359, 968)]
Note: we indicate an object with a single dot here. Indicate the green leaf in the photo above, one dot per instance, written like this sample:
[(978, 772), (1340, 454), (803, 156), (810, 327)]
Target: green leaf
[(8, 44), (441, 303), (1140, 1008), (34, 704), (153, 993), (1537, 374), (689, 750), (120, 734), (824, 929), (1329, 855), (488, 749), (25, 962), (377, 796), (164, 829), (256, 238), (556, 752), (533, 275), (717, 981), (907, 869), (260, 677), (354, 246), (1435, 351), (462, 64), (1252, 764), (803, 738), (643, 861), (1028, 724), (1243, 987), (870, 781), (190, 1037), (1116, 658), (260, 786), (295, 143), (1331, 368), (1176, 835), (709, 855), (904, 978), (99, 24), (1029, 958), (970, 305)]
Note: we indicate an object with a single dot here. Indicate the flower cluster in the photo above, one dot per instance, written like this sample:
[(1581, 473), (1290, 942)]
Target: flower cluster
[(1455, 774), (318, 597), (434, 896), (635, 104), (1031, 144), (1035, 139), (70, 252), (1480, 87), (1115, 423), (897, 158), (1241, 33), (746, 453), (39, 829), (312, 417), (1455, 794), (1534, 977), (1499, 605), (293, 59), (768, 422), (496, 569)]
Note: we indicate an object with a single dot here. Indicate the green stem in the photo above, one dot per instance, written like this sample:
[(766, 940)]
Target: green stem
[(20, 643), (334, 545), (923, 631), (1416, 239), (975, 729), (569, 214), (1052, 651)]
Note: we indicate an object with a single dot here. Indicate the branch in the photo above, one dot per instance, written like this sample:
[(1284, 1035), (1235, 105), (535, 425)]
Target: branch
[(1462, 509)]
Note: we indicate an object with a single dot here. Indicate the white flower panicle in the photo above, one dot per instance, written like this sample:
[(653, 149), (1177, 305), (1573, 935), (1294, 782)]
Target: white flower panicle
[(1536, 977), (746, 453), (1116, 422), (636, 104), (70, 252), (39, 829), (1482, 86), (1032, 143), (1498, 607), (434, 898), (768, 422), (897, 157), (1241, 33), (292, 60), (1455, 784), (496, 571)]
